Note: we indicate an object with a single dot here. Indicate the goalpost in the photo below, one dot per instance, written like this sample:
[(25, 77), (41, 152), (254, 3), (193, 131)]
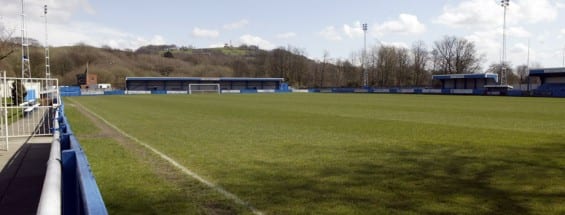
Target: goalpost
[(204, 88)]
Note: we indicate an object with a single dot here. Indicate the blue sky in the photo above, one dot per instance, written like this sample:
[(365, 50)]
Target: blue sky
[(315, 26)]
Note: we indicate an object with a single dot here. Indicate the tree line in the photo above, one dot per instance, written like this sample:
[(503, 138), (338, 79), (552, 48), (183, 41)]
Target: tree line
[(386, 65), (390, 66)]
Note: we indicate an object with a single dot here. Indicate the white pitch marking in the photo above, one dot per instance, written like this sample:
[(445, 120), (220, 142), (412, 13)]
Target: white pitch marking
[(185, 170)]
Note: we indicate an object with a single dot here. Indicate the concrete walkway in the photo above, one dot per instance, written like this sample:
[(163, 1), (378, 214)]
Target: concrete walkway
[(24, 165), (23, 171)]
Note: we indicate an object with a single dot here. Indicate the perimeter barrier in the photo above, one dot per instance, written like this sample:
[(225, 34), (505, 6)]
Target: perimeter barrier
[(76, 91), (69, 186)]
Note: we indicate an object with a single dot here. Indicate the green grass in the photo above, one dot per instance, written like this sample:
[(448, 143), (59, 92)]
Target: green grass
[(359, 153), (233, 51), (136, 182), (14, 113)]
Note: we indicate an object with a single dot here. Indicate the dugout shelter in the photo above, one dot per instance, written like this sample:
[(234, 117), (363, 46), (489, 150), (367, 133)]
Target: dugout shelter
[(465, 83), (182, 83), (552, 81)]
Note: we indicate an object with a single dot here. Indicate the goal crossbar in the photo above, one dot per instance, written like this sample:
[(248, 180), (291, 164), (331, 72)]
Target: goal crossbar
[(195, 88)]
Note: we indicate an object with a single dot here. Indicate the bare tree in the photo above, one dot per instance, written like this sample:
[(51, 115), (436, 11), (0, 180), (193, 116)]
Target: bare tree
[(7, 45), (288, 63), (496, 68), (421, 57), (453, 55), (403, 77), (299, 67), (323, 70), (350, 74), (388, 65), (165, 70), (371, 65), (338, 75), (277, 63), (240, 68), (356, 58), (522, 72)]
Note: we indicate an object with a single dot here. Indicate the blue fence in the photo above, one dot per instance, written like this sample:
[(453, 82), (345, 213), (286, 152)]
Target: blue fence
[(114, 92), (76, 91), (248, 91), (80, 193), (159, 92), (70, 91), (515, 93), (555, 90)]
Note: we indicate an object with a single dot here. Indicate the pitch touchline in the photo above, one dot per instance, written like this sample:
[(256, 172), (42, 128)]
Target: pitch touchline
[(185, 170)]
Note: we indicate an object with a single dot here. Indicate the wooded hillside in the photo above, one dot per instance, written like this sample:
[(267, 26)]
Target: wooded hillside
[(387, 66), (112, 66)]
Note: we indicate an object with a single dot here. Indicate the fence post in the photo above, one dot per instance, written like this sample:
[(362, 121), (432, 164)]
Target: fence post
[(5, 109)]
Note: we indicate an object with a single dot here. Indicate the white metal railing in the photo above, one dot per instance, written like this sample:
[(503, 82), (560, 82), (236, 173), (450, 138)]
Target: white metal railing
[(4, 114), (26, 107), (50, 201)]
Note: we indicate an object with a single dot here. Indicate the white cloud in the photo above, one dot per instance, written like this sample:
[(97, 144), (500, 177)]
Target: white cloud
[(487, 14), (488, 44), (64, 31), (205, 33), (518, 32), (255, 40), (286, 35), (2, 27), (58, 11), (396, 44), (354, 30), (330, 33), (561, 34), (217, 45), (96, 35), (472, 13), (534, 11), (543, 37), (236, 25), (85, 5), (518, 54), (406, 24), (134, 42), (519, 48)]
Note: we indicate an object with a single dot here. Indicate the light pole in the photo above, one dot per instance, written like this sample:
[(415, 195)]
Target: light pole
[(26, 70), (47, 64), (504, 4), (365, 74)]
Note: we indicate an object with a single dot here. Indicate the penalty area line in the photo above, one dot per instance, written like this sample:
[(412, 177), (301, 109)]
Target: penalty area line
[(182, 168)]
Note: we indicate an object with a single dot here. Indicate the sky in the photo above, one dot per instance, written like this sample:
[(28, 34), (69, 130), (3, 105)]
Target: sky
[(314, 26)]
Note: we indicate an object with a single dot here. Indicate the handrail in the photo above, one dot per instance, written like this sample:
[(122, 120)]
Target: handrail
[(50, 201)]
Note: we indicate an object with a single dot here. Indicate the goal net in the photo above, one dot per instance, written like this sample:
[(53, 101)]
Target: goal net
[(204, 88)]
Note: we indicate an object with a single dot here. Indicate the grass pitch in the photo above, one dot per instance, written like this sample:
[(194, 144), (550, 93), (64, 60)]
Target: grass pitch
[(339, 153)]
